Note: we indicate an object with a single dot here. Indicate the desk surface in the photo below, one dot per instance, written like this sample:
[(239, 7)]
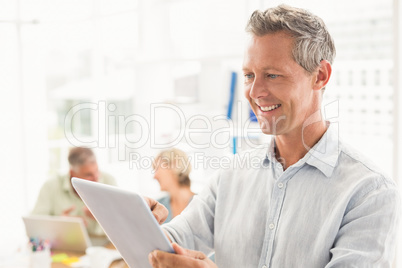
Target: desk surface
[(115, 264)]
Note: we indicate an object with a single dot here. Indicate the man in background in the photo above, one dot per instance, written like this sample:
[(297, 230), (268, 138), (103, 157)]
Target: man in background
[(58, 198)]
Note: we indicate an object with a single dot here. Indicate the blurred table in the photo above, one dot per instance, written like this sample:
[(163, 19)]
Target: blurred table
[(115, 264)]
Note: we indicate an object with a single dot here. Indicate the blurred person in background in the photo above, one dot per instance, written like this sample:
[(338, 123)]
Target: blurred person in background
[(172, 171), (58, 198)]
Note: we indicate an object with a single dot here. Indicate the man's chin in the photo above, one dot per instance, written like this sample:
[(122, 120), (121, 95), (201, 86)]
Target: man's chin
[(268, 130), (272, 129)]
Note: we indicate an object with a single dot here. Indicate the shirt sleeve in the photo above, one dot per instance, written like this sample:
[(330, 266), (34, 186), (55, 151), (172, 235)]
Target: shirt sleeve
[(43, 205), (194, 227), (367, 235)]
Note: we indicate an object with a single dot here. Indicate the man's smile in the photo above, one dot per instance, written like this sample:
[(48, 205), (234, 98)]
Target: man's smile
[(269, 108)]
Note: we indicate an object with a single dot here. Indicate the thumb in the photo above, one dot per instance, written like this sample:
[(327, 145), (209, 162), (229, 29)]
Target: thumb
[(189, 253), (178, 249)]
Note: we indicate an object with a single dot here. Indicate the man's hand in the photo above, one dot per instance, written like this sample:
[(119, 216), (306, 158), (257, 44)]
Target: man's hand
[(87, 212), (183, 258), (158, 210), (67, 212)]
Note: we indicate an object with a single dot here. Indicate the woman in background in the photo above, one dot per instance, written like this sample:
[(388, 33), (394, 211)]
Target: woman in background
[(172, 170)]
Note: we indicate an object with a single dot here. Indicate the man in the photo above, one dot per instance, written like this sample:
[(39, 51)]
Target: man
[(313, 202), (58, 198)]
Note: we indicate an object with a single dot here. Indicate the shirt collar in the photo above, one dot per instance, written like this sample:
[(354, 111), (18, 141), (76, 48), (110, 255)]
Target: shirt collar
[(324, 154), (66, 184)]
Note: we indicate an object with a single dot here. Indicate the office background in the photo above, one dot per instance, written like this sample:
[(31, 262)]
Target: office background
[(114, 58)]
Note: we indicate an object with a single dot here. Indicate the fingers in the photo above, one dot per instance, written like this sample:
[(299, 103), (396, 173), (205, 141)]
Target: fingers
[(67, 211), (160, 213), (160, 259), (158, 210), (189, 253), (148, 201), (178, 249)]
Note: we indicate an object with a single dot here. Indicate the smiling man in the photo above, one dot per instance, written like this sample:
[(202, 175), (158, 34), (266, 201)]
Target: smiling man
[(313, 202)]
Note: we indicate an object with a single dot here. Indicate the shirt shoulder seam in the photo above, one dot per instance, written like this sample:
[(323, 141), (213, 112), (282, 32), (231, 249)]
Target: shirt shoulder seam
[(382, 179)]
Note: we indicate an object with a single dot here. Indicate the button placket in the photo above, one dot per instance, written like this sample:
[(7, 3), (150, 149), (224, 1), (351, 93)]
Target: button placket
[(279, 192)]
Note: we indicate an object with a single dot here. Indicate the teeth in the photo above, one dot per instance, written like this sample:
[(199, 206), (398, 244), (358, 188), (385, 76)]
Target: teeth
[(269, 108)]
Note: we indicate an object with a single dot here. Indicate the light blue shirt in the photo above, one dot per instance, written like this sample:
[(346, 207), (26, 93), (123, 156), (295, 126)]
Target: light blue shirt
[(331, 209), (166, 202)]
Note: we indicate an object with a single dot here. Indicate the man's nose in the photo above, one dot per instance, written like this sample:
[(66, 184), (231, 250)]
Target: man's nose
[(258, 88)]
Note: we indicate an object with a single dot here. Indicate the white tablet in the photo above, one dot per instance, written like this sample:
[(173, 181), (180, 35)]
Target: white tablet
[(63, 233), (126, 219)]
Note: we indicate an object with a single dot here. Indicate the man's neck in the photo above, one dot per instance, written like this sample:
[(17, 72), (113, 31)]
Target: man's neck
[(291, 147)]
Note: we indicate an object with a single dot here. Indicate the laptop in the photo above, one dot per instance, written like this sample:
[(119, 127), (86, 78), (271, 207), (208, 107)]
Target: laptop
[(126, 219), (63, 233)]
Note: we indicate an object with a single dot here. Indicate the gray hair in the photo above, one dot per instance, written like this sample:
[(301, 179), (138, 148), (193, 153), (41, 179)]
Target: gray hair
[(79, 156), (312, 41)]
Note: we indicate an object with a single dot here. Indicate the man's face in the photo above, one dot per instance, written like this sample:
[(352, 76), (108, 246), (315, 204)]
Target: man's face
[(279, 90), (88, 171)]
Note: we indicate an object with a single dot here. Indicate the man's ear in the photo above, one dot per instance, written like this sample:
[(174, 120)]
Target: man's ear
[(323, 75)]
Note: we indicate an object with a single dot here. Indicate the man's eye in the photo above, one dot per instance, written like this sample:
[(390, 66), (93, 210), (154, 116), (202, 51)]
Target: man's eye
[(273, 76), (248, 76)]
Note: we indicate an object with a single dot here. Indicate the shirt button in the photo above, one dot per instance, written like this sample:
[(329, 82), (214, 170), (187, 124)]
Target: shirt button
[(280, 185), (271, 226)]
